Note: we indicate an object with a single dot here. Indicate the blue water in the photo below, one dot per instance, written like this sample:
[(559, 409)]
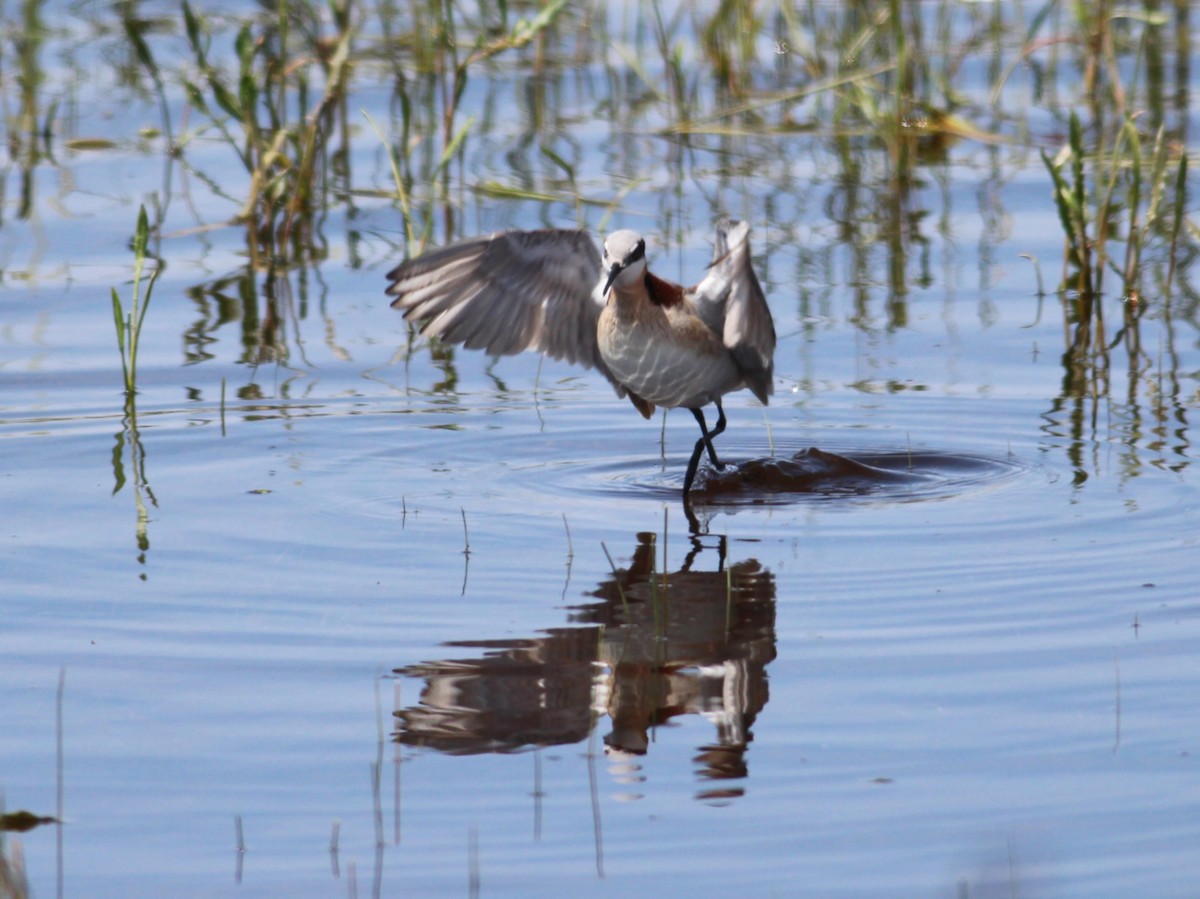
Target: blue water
[(980, 684)]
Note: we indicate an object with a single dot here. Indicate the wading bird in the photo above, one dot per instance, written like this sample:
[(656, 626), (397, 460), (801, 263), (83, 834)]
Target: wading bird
[(659, 344)]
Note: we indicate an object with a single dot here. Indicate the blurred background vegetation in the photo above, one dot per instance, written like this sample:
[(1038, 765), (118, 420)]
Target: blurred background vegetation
[(277, 120)]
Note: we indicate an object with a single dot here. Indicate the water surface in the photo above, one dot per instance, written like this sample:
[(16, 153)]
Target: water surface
[(430, 623)]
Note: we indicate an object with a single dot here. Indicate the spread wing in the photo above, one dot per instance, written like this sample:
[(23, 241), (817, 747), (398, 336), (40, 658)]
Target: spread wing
[(731, 302), (508, 292)]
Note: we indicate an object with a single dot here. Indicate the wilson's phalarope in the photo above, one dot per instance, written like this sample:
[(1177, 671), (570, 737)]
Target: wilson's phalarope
[(659, 343)]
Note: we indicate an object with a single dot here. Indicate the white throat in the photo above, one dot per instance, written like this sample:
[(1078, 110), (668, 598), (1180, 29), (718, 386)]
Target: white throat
[(630, 275)]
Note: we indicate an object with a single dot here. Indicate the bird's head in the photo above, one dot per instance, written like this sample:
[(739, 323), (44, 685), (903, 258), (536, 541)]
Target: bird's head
[(624, 259)]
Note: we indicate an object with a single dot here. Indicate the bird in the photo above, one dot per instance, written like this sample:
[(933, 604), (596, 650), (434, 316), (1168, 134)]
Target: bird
[(551, 290)]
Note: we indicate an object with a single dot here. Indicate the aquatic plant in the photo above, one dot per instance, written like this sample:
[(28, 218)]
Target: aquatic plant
[(256, 106), (438, 56), (1119, 186), (129, 334), (266, 114), (1093, 211), (129, 325)]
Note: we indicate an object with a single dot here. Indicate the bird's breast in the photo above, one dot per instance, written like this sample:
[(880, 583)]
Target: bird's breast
[(668, 360)]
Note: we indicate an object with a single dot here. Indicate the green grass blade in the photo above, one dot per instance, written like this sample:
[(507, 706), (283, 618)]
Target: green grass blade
[(134, 33), (1062, 197), (1039, 18), (567, 168), (1079, 188), (398, 178), (191, 26), (1158, 180), (141, 234), (196, 98), (146, 299), (1130, 133), (225, 98), (122, 326), (119, 321), (453, 147), (141, 238)]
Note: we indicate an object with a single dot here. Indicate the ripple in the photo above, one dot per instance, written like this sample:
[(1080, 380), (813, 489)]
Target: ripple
[(587, 462)]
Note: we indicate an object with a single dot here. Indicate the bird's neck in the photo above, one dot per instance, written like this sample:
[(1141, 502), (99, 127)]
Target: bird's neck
[(648, 295), (663, 293), (627, 302)]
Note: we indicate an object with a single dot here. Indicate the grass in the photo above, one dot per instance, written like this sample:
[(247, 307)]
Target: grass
[(277, 88), (129, 324), (1120, 187), (1099, 193), (269, 115), (275, 119), (843, 126), (443, 59)]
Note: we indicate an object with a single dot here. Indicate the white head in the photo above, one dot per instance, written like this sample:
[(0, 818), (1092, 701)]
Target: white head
[(624, 259)]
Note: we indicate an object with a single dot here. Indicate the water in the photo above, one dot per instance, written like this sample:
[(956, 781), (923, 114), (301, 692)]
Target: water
[(360, 604)]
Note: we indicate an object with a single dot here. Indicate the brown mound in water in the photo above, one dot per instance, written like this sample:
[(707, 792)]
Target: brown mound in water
[(816, 471)]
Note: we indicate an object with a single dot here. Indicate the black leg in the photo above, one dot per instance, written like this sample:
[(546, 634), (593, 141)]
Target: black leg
[(719, 429), (707, 435), (705, 442), (691, 469)]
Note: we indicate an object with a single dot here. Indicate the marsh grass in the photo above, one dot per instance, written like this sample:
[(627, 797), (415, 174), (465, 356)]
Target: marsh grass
[(261, 108), (1100, 196), (267, 112), (439, 60), (275, 86), (1120, 188)]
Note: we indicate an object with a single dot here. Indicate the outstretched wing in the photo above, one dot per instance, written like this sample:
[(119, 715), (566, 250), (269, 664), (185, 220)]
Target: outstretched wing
[(731, 302), (508, 292)]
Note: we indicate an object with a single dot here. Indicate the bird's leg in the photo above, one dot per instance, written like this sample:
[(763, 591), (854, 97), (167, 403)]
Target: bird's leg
[(691, 470), (719, 429), (705, 442)]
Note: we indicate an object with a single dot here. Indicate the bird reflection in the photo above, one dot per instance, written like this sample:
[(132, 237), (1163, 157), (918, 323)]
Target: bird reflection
[(655, 646), (518, 694)]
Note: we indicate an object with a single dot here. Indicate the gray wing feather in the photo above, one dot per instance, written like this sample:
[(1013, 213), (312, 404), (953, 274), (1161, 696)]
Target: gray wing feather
[(507, 292), (731, 302)]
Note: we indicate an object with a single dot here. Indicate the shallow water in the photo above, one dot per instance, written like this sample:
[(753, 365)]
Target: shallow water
[(439, 625)]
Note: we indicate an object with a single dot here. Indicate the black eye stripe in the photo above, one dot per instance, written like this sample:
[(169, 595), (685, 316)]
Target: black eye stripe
[(639, 252)]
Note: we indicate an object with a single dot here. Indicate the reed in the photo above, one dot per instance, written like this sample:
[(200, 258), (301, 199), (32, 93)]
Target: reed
[(265, 111), (439, 60), (1120, 198), (1066, 171), (1124, 198)]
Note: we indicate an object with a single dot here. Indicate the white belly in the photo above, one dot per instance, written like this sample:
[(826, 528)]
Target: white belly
[(665, 371)]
